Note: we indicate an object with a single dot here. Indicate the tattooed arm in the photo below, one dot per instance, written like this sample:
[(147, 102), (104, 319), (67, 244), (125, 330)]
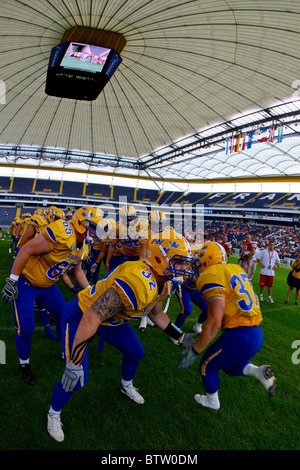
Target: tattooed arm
[(106, 306)]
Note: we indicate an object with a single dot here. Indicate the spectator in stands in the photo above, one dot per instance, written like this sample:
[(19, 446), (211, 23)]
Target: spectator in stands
[(293, 280), (269, 260)]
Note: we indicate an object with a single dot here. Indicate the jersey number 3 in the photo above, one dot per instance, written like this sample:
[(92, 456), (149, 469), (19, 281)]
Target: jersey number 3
[(241, 284)]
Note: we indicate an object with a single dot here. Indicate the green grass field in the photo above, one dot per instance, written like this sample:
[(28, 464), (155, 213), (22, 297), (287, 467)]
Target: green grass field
[(99, 417)]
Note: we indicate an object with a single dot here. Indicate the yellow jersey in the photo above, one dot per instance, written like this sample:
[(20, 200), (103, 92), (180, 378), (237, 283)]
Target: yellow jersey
[(13, 228), (21, 225), (133, 236), (44, 270), (136, 286), (37, 221), (98, 244), (230, 282)]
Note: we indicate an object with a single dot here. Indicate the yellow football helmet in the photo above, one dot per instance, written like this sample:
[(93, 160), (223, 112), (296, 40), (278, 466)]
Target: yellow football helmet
[(69, 215), (54, 213), (165, 250), (106, 229), (127, 214), (210, 253), (86, 220), (157, 221), (39, 212)]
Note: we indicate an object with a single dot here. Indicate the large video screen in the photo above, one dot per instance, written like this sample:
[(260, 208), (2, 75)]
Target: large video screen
[(85, 57)]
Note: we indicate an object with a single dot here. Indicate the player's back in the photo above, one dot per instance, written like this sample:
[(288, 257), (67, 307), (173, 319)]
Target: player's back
[(230, 282)]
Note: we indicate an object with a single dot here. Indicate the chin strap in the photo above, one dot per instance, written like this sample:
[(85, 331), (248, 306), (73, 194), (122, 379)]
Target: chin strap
[(83, 249)]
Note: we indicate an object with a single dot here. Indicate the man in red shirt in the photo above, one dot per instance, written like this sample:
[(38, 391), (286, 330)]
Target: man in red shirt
[(226, 244), (249, 248)]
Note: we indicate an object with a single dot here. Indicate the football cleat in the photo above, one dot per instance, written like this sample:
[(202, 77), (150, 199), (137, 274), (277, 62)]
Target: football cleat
[(205, 401), (149, 322), (267, 379), (143, 323), (197, 328), (54, 427), (270, 300), (26, 374), (132, 393)]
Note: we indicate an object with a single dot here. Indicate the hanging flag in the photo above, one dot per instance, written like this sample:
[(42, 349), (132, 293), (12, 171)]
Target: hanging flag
[(250, 137), (244, 142), (271, 133), (227, 145), (237, 143), (264, 135), (280, 133), (232, 144)]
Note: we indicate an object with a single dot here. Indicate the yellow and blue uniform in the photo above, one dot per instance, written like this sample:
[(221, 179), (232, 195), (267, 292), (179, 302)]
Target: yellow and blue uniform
[(131, 238), (138, 289), (13, 234), (36, 221), (242, 336), (186, 298), (38, 278), (95, 248), (43, 271), (116, 256)]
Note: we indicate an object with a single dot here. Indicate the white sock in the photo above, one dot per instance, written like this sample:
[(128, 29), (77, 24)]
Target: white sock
[(53, 412), (22, 361), (213, 397), (250, 370), (126, 383)]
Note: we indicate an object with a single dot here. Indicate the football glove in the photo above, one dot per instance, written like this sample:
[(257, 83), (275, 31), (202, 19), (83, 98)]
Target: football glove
[(94, 267), (10, 290), (71, 376), (189, 356), (187, 340)]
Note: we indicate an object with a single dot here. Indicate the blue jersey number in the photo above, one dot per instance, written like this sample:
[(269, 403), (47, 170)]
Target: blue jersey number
[(58, 269), (147, 274), (241, 283)]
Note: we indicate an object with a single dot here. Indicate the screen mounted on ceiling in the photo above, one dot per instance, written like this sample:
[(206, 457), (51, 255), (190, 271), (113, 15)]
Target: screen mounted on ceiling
[(85, 57)]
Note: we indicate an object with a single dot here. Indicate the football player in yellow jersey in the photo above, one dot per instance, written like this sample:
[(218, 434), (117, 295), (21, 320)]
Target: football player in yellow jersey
[(106, 231), (132, 233), (60, 247), (131, 290), (13, 235), (234, 308), (157, 223), (34, 225)]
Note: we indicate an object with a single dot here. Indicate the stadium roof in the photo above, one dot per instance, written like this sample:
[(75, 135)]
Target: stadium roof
[(195, 74)]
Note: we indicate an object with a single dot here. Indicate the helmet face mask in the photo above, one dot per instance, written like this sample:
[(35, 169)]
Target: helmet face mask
[(209, 254), (171, 257), (180, 269), (127, 214), (106, 229), (157, 221), (85, 221)]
